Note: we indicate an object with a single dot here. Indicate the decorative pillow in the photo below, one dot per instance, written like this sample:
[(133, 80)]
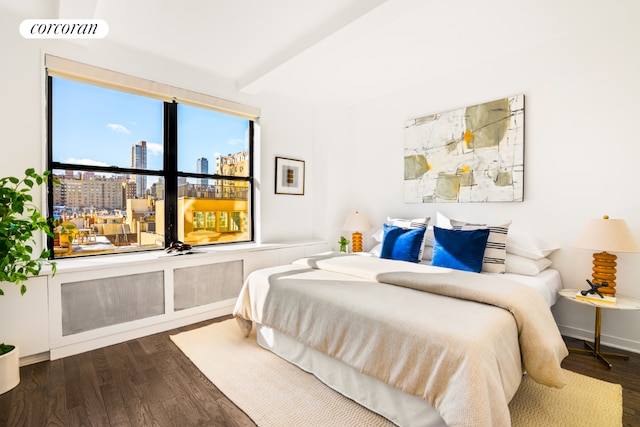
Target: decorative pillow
[(526, 266), (376, 250), (442, 221), (459, 249), (427, 255), (378, 235), (402, 244), (411, 223), (428, 236), (523, 243), (495, 253)]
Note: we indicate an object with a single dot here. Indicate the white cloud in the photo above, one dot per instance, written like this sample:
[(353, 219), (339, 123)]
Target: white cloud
[(154, 148), (119, 128), (88, 162)]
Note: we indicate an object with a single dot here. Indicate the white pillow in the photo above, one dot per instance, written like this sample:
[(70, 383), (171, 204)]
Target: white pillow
[(376, 250), (521, 242), (526, 266), (442, 221), (495, 253), (378, 235), (429, 238)]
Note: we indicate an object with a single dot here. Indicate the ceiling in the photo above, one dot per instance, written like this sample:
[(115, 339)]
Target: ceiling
[(345, 51)]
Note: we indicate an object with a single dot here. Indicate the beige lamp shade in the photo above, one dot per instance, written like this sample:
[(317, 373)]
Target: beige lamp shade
[(356, 222), (604, 234)]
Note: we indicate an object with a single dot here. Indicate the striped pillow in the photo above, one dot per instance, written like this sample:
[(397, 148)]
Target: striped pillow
[(495, 253)]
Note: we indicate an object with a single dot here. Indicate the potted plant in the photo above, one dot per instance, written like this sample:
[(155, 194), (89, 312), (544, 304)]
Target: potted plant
[(343, 242), (20, 222)]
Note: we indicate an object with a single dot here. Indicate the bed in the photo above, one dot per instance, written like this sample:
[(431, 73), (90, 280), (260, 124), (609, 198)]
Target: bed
[(418, 344)]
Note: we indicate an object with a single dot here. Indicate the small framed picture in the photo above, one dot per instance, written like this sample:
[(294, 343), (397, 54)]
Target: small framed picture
[(289, 176)]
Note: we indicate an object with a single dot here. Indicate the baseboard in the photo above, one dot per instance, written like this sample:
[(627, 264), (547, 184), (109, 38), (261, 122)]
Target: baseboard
[(34, 358), (606, 340)]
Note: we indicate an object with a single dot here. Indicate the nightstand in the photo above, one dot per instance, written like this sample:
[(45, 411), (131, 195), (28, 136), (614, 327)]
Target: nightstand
[(622, 303)]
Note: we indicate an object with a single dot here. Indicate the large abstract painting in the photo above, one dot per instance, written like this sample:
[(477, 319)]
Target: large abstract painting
[(473, 154)]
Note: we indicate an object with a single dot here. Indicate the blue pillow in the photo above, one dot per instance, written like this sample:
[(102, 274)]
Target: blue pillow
[(459, 249), (402, 244)]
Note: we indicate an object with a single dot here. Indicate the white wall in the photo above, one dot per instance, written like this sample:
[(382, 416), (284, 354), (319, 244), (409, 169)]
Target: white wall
[(284, 126), (581, 152)]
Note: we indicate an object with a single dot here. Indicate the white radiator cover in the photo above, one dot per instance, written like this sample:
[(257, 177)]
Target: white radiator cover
[(93, 304), (206, 284)]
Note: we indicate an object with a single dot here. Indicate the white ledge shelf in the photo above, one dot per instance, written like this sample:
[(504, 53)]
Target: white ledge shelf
[(91, 262)]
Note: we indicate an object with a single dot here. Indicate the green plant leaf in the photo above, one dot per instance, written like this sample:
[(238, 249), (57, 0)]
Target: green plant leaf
[(19, 221)]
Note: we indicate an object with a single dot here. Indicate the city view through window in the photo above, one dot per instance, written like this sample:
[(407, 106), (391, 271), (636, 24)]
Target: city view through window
[(108, 149)]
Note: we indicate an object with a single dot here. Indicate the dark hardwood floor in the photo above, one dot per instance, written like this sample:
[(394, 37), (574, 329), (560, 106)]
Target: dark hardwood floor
[(149, 382), (626, 373)]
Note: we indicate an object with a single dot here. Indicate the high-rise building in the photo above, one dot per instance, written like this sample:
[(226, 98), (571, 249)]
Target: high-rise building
[(203, 167), (139, 161)]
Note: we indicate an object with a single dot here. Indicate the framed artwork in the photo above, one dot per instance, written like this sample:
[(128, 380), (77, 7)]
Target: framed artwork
[(472, 154), (289, 176)]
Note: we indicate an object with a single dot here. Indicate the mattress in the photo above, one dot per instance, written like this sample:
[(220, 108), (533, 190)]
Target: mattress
[(548, 283)]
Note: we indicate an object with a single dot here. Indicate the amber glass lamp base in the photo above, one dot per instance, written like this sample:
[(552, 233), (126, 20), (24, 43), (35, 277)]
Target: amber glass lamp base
[(356, 242), (604, 270)]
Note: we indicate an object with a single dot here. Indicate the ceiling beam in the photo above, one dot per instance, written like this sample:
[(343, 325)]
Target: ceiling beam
[(348, 24)]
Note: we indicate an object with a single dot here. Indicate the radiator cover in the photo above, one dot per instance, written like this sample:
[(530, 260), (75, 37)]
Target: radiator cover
[(206, 284)]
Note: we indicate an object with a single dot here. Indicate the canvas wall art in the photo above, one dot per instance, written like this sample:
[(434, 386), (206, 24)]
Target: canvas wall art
[(472, 154)]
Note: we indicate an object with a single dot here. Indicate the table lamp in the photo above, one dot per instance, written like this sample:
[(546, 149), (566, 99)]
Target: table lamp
[(606, 235), (356, 222)]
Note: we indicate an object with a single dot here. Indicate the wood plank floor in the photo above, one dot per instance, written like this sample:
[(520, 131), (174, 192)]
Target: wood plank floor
[(149, 382)]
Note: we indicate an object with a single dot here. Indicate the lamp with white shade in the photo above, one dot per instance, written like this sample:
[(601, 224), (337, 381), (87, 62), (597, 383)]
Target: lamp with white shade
[(356, 222), (606, 235)]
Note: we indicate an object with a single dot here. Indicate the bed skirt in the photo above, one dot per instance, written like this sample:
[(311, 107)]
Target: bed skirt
[(401, 408)]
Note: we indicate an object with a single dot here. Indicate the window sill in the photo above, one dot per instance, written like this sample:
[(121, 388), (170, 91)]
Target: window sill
[(70, 265)]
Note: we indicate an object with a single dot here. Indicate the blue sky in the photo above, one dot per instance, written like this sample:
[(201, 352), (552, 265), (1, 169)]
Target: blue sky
[(98, 126)]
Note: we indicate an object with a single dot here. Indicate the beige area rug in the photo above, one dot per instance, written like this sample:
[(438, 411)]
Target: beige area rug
[(275, 393)]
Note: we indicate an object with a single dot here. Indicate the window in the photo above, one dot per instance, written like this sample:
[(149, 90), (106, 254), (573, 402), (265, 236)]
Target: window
[(139, 169)]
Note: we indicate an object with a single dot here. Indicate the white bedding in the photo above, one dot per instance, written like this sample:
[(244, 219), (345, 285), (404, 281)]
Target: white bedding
[(350, 309), (548, 283)]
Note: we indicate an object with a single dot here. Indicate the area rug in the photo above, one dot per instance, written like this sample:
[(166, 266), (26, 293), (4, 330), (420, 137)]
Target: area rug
[(275, 393)]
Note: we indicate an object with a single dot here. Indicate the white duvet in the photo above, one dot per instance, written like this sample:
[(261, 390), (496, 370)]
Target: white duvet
[(416, 328)]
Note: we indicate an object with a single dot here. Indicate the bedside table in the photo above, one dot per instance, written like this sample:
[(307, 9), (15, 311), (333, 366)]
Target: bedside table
[(622, 303)]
